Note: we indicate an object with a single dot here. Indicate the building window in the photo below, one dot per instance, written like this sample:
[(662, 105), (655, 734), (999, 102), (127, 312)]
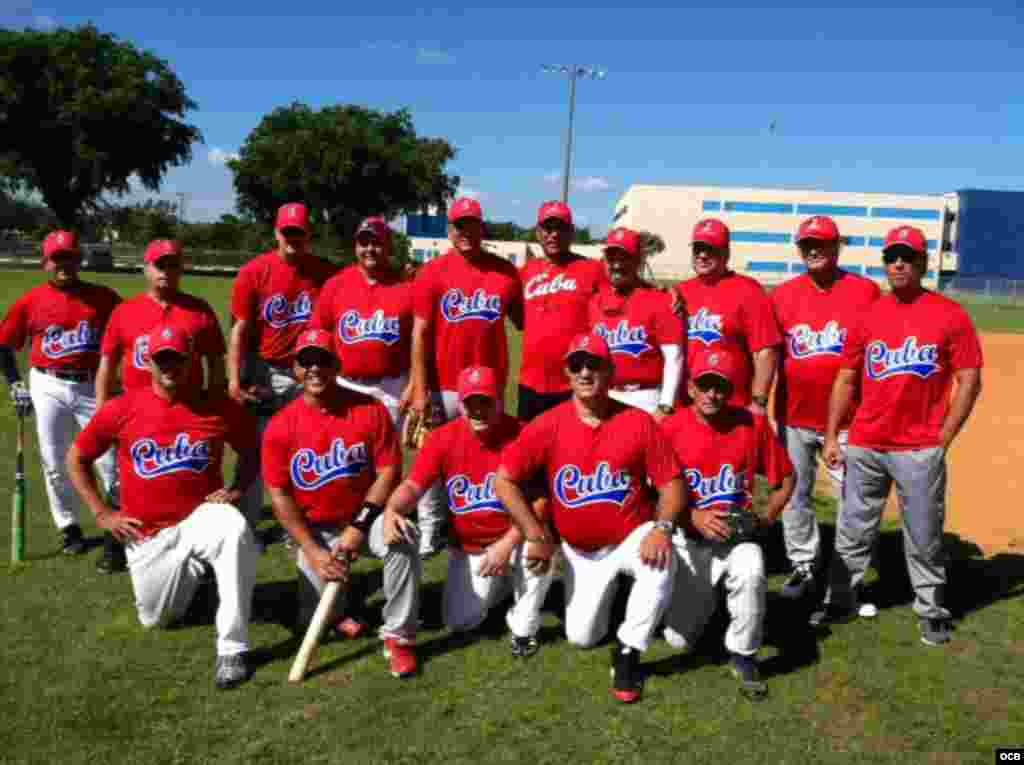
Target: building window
[(836, 210), (760, 237), (417, 255), (855, 241), (710, 206), (797, 268), (905, 213), (766, 266), (759, 207), (875, 271), (878, 241)]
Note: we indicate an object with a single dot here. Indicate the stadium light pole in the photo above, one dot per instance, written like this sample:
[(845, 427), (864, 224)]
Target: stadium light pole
[(574, 71)]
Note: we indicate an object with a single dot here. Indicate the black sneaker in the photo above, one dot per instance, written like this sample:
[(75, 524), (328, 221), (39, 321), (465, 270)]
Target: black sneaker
[(829, 613), (524, 647), (626, 685), (936, 632), (744, 669), (232, 671), (798, 584), (72, 541), (113, 560)]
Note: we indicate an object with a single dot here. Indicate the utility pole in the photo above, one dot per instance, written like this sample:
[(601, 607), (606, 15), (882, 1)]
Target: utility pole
[(574, 71)]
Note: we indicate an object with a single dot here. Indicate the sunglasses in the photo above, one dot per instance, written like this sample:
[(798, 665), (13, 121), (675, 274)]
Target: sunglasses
[(168, 359), (578, 363), (711, 382), (315, 359), (907, 257)]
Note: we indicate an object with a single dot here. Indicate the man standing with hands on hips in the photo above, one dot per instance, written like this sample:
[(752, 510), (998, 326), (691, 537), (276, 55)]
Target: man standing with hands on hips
[(727, 309), (461, 301), (273, 300), (64, 319), (905, 353), (815, 312), (597, 456)]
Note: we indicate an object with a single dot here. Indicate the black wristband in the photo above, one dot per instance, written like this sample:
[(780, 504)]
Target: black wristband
[(366, 516), (9, 365)]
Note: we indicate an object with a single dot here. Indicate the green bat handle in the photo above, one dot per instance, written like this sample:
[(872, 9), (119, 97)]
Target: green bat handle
[(18, 514)]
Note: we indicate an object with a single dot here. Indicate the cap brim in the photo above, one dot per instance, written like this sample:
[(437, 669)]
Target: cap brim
[(713, 373), (583, 352), (805, 237)]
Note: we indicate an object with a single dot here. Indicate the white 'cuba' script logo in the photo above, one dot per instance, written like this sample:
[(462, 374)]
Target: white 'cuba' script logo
[(310, 470), (59, 343), (538, 286), (704, 326), (151, 460), (805, 342), (908, 359), (726, 487), (140, 353), (631, 341), (575, 489), (279, 313), (456, 306), (353, 328), (465, 497)]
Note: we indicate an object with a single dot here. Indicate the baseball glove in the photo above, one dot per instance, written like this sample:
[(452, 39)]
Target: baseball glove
[(745, 525), (415, 429)]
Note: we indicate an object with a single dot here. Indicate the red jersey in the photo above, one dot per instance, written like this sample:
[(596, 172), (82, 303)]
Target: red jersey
[(555, 311), (597, 477), (65, 325), (328, 458), (128, 335), (635, 327), (468, 464), (906, 354), (734, 311), (277, 300), (169, 454), (371, 323), (720, 461), (815, 324), (466, 303)]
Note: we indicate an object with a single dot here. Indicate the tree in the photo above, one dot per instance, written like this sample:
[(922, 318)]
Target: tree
[(82, 112), (345, 162)]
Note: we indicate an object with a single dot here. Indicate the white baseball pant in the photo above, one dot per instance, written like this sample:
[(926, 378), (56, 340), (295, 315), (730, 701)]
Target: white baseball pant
[(642, 398), (432, 508), (166, 568), (62, 409), (468, 596), (590, 586), (702, 566)]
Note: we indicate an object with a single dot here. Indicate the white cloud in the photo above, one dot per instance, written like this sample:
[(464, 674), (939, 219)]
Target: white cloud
[(466, 191), (552, 178), (218, 156), (591, 183)]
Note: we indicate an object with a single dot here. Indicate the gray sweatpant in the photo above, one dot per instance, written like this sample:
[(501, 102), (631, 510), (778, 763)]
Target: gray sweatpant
[(799, 521), (920, 479), (402, 575)]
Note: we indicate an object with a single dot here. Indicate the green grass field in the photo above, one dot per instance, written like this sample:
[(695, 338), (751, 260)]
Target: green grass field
[(83, 682)]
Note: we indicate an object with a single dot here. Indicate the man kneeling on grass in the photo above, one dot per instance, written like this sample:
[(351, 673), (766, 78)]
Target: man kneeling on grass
[(176, 516)]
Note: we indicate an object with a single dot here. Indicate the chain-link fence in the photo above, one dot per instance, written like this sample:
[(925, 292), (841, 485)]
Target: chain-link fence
[(968, 289)]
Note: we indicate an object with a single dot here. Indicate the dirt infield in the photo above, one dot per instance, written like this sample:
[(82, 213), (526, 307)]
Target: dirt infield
[(986, 463)]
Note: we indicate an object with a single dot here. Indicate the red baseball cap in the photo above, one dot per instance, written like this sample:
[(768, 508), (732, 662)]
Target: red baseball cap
[(818, 227), (624, 239), (293, 215), (376, 227), (591, 344), (465, 208), (907, 236), (315, 338), (558, 210), (716, 361), (60, 241), (711, 231), (169, 337), (477, 381), (161, 248)]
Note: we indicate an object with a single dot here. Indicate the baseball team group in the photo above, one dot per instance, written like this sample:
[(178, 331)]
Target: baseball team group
[(642, 422)]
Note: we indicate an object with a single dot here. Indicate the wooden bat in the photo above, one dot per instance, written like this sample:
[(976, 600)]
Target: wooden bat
[(314, 632), (18, 501)]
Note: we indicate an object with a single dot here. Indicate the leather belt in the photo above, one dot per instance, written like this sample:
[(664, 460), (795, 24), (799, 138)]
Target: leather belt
[(67, 374), (632, 388)]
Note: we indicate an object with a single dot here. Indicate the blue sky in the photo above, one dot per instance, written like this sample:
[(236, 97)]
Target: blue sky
[(870, 97)]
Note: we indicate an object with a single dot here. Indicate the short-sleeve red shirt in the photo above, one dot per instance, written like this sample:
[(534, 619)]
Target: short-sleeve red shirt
[(597, 477)]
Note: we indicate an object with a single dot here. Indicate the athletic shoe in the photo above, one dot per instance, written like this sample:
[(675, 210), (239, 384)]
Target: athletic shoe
[(830, 613), (72, 542), (402, 657), (113, 560), (626, 685), (232, 670), (524, 647), (744, 669), (798, 583), (350, 628), (936, 631)]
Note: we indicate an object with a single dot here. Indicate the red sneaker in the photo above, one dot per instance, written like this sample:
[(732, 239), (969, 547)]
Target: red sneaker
[(350, 628), (402, 657), (626, 683)]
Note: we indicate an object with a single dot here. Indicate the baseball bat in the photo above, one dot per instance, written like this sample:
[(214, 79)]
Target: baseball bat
[(314, 632), (18, 503)]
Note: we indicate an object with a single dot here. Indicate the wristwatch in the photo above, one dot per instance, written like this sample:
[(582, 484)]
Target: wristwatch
[(666, 409), (761, 401), (667, 526)]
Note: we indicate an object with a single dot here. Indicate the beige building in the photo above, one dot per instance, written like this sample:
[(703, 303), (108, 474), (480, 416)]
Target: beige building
[(425, 249), (763, 223)]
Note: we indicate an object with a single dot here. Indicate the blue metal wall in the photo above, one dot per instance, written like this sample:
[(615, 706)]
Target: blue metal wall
[(990, 235), (429, 226)]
